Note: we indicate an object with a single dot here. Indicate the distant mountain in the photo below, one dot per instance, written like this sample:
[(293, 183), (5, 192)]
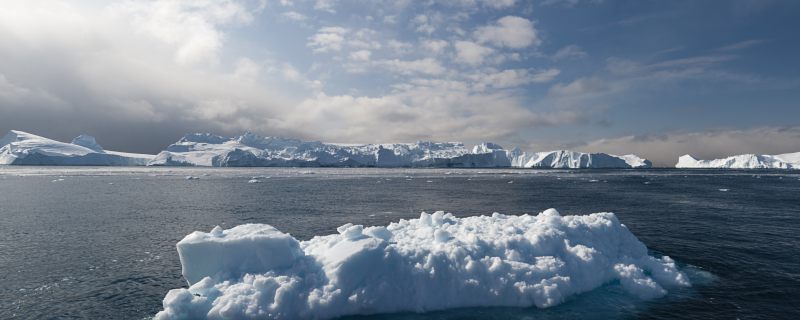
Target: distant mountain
[(22, 148), (249, 150), (744, 161)]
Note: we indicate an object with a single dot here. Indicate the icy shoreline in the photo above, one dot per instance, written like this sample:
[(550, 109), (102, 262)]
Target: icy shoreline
[(435, 262)]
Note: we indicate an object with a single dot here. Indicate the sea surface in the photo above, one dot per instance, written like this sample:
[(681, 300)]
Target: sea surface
[(99, 243)]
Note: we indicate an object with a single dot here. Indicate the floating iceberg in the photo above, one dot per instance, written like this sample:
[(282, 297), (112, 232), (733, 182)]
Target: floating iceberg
[(22, 148), (250, 150), (744, 161), (432, 263), (564, 159)]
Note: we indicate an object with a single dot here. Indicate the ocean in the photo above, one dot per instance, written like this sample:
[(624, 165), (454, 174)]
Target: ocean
[(99, 243)]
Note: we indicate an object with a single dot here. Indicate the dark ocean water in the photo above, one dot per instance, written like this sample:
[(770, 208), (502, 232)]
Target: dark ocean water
[(99, 243)]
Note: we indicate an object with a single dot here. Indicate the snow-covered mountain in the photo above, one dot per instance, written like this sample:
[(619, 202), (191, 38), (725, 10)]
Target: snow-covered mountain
[(22, 148), (744, 161), (202, 149)]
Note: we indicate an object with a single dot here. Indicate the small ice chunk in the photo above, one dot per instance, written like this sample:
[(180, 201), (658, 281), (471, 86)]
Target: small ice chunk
[(248, 248), (552, 212), (253, 181), (217, 232), (351, 232), (441, 235)]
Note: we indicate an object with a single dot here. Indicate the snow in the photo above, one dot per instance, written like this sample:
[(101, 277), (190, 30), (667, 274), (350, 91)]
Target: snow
[(435, 262), (744, 161), (22, 148)]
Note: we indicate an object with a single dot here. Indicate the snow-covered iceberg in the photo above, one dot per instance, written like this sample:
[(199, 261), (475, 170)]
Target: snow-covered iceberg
[(436, 262), (744, 161), (22, 148), (202, 149)]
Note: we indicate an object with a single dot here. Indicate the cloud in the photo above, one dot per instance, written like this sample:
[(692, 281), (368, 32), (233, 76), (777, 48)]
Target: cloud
[(741, 45), (509, 31), (295, 16), (327, 39), (568, 3), (499, 4), (360, 55), (427, 66), (130, 73), (325, 5), (664, 149), (580, 86), (435, 46), (570, 52), (435, 110), (193, 27), (512, 78), (471, 53)]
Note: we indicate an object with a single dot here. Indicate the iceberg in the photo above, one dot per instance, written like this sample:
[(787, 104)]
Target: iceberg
[(22, 148), (744, 161), (250, 150), (435, 262), (565, 159)]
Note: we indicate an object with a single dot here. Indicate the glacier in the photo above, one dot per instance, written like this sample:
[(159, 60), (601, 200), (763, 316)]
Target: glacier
[(435, 262), (744, 161), (22, 148), (250, 150)]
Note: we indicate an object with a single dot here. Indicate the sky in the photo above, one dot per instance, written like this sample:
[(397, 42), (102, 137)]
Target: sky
[(656, 78)]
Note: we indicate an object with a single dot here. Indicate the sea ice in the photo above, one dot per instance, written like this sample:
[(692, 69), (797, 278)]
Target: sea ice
[(435, 262)]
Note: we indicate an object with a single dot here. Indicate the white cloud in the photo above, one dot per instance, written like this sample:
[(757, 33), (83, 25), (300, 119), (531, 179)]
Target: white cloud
[(471, 53), (194, 27), (509, 31), (327, 39), (741, 45), (435, 46), (325, 5), (580, 86), (417, 112), (569, 52), (295, 16), (360, 55), (499, 4), (423, 24), (427, 66), (513, 78), (568, 3), (399, 47)]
